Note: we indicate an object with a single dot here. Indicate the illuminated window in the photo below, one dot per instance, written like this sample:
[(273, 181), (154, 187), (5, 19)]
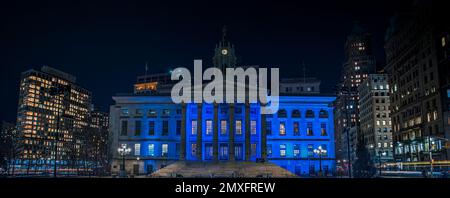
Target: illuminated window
[(194, 127), (124, 112), (323, 129), (253, 127), (137, 149), (238, 127), (151, 113), (282, 150), (223, 127), (309, 129), (296, 150), (310, 150), (151, 150), (208, 127), (164, 150), (282, 128), (296, 129)]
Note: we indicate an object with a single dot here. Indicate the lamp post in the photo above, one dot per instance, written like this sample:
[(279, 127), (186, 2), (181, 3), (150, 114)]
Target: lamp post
[(320, 151), (380, 153), (123, 151)]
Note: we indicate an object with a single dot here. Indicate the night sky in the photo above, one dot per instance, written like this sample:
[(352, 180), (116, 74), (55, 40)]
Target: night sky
[(105, 45)]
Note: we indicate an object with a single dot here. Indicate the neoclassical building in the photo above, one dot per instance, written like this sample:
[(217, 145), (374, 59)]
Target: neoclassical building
[(160, 132)]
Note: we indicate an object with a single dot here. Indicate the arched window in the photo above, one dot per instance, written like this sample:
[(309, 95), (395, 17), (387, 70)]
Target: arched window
[(282, 113), (310, 114), (296, 113), (323, 114)]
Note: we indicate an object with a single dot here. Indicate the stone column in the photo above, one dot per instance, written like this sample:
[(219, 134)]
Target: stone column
[(199, 132), (216, 133), (231, 133), (247, 131), (183, 132), (263, 138)]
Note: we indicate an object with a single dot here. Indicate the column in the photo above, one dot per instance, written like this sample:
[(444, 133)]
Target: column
[(183, 132), (263, 138), (199, 132), (247, 131), (216, 133), (231, 133)]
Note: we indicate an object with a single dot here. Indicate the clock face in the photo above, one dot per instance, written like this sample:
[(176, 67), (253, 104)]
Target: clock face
[(224, 52)]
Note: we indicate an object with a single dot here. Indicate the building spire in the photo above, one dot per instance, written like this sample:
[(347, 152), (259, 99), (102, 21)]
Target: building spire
[(224, 32)]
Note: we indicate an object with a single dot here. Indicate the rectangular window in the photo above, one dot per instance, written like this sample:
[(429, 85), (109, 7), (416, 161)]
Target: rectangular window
[(164, 150), (282, 128), (194, 127), (177, 149), (165, 131), (124, 130), (137, 130), (223, 127), (323, 129), (151, 150), (310, 150), (166, 112), (253, 127), (208, 127), (151, 128), (253, 150), (268, 128), (178, 127), (282, 150), (238, 127), (296, 129), (269, 150), (124, 112), (138, 112), (309, 129), (209, 151), (193, 150), (137, 149), (151, 113), (296, 150), (223, 150)]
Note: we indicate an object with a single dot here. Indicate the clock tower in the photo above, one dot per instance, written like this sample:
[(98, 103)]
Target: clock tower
[(224, 55)]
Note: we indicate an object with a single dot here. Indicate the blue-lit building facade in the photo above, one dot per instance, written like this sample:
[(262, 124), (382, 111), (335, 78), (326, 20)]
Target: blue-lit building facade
[(152, 125), (160, 132)]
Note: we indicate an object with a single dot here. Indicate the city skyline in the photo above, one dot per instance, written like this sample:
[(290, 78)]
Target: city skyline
[(121, 38)]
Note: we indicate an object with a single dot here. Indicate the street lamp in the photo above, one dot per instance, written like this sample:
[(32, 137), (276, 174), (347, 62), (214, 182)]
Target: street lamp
[(123, 151), (320, 151)]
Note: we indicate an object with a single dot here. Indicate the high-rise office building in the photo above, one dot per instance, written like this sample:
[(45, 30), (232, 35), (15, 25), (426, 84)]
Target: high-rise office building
[(359, 62), (52, 114), (417, 61), (375, 117)]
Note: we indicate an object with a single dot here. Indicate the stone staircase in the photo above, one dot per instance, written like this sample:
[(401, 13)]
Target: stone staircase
[(190, 169)]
